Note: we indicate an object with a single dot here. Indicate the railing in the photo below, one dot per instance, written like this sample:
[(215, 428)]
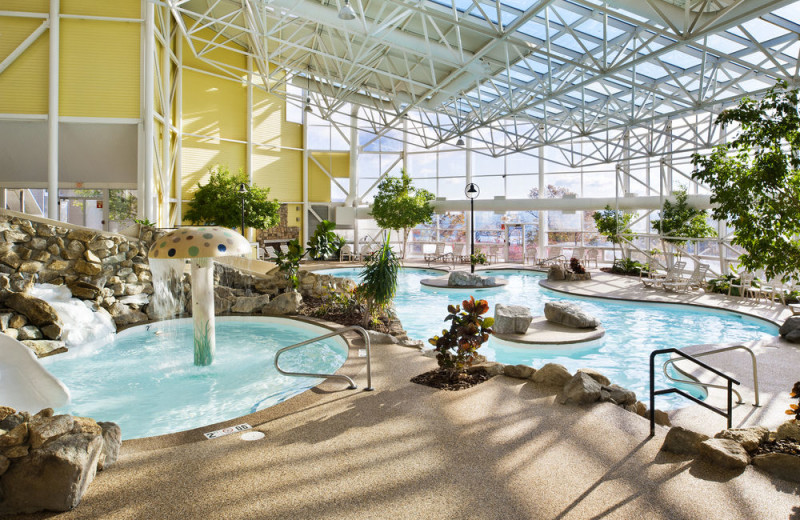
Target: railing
[(337, 332), (671, 362), (654, 392)]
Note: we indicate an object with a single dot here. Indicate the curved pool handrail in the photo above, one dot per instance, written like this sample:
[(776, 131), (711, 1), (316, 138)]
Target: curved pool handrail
[(337, 332), (671, 362)]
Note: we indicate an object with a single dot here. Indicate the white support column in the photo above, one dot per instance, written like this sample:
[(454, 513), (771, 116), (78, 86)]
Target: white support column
[(352, 196), (179, 130), (468, 166), (4, 200), (147, 112), (166, 106), (542, 214), (52, 115), (249, 145), (304, 229)]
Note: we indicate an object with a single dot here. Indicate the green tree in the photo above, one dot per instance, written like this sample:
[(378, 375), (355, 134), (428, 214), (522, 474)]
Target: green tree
[(399, 205), (755, 181), (614, 224), (379, 280), (678, 219), (219, 203)]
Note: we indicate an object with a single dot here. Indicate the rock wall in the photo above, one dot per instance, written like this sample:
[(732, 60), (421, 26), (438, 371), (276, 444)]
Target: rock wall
[(111, 273)]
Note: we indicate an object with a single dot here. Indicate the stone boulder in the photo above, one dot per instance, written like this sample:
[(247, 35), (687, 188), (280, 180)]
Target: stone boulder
[(790, 330), (124, 315), (569, 315), (788, 430), (52, 478), (556, 273), (683, 442), (250, 304), (617, 394), (112, 441), (42, 429), (597, 376), (511, 319), (581, 389), (782, 465), (465, 279), (285, 303), (519, 371), (552, 374), (84, 290), (749, 438), (39, 312), (724, 453), (491, 368), (45, 347), (381, 337)]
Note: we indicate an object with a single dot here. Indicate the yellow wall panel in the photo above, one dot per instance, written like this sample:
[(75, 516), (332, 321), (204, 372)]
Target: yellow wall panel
[(231, 57), (319, 184), (99, 69), (214, 106), (269, 122), (280, 171), (23, 85), (111, 8), (200, 155), (27, 6)]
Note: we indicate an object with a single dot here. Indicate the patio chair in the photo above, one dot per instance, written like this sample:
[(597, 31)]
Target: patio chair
[(774, 290), (458, 253), (494, 252), (346, 252), (696, 280), (365, 251), (745, 286), (284, 249), (591, 255), (530, 253), (673, 275)]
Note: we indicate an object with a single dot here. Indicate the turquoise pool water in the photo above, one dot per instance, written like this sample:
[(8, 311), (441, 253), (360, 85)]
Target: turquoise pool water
[(145, 379), (633, 329)]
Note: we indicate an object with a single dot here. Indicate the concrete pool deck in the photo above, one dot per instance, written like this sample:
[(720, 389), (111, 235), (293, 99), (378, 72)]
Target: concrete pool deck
[(501, 450)]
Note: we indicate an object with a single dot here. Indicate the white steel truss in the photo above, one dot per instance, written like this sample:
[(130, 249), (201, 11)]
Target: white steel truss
[(513, 74)]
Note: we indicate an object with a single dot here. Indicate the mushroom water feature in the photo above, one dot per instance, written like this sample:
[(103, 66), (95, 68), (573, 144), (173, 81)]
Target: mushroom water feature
[(200, 245)]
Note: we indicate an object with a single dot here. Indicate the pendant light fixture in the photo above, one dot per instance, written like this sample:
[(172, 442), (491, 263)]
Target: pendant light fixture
[(347, 12), (308, 108), (460, 141)]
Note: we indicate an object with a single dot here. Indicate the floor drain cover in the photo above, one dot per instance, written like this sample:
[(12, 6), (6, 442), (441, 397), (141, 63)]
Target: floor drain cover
[(252, 436)]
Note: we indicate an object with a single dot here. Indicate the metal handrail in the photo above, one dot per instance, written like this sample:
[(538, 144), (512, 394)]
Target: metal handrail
[(671, 362), (654, 392), (337, 332)]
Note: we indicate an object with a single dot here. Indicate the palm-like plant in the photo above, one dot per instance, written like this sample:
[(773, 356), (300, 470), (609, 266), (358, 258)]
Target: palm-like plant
[(379, 279)]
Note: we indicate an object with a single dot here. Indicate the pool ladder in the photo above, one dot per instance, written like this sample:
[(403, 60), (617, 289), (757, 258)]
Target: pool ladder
[(337, 332), (671, 362)]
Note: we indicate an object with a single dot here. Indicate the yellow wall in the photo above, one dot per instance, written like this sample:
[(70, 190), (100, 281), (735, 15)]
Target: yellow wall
[(99, 60), (319, 184), (99, 69), (23, 85)]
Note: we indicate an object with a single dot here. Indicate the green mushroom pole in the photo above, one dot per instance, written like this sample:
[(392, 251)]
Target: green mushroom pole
[(200, 245)]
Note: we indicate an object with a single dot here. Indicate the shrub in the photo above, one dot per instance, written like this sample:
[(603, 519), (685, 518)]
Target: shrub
[(289, 263), (379, 280), (794, 409), (628, 267), (324, 243), (478, 258), (456, 348), (575, 266)]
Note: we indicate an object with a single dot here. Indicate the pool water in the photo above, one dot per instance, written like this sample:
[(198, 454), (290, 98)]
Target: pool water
[(633, 329), (145, 379)]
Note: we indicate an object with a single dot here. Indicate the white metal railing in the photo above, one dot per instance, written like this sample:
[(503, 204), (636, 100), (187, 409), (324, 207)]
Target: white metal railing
[(337, 332), (671, 362)]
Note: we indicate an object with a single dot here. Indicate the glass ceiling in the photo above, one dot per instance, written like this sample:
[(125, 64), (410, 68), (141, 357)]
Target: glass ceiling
[(536, 71)]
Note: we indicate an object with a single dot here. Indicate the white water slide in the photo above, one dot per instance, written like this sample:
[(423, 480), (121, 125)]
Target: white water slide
[(24, 383)]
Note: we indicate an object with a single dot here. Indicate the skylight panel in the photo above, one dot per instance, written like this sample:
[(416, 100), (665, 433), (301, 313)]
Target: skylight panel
[(461, 5), (533, 28), (570, 17), (568, 41), (680, 59), (521, 76), (763, 31), (723, 45), (522, 5), (595, 28), (650, 70)]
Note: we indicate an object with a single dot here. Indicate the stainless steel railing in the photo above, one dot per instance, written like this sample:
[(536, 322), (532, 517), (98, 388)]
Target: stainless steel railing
[(337, 332), (671, 362)]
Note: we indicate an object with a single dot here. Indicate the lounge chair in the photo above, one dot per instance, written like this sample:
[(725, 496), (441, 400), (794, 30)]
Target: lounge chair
[(696, 280), (494, 252), (672, 275), (591, 256), (530, 253), (745, 286), (439, 251)]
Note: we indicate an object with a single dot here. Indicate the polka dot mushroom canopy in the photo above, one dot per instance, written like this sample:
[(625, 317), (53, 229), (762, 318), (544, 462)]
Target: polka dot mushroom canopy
[(199, 242)]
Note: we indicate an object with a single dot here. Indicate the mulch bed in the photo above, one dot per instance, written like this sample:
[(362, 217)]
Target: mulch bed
[(440, 378), (310, 307), (786, 446)]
